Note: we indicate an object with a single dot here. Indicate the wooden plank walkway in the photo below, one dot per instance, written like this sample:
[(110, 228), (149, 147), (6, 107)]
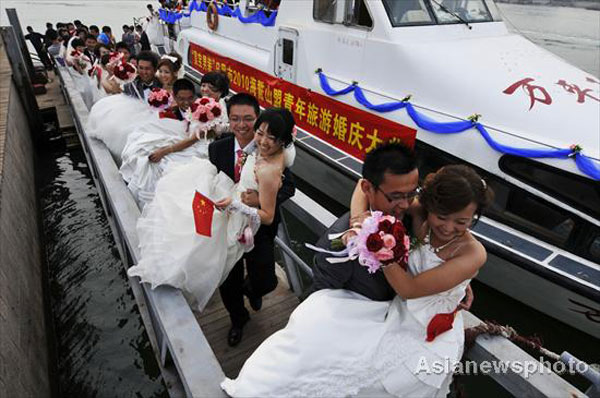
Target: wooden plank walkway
[(273, 316), (53, 98)]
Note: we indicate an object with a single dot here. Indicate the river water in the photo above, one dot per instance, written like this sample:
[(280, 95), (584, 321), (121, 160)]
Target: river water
[(102, 348)]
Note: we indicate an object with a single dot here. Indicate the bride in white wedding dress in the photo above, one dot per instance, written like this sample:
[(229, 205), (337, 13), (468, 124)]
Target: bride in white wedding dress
[(172, 253), (154, 146), (113, 118), (339, 343)]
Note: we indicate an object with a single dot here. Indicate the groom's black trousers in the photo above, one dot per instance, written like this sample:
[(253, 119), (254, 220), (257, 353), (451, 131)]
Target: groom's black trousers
[(260, 266)]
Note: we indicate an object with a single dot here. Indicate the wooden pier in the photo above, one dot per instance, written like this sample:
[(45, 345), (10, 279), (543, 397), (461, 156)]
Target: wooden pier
[(273, 316)]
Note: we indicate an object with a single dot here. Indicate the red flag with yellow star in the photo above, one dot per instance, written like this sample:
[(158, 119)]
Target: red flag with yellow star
[(203, 209)]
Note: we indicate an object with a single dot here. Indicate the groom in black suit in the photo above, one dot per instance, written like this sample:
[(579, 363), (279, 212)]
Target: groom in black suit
[(390, 182), (146, 80), (243, 110)]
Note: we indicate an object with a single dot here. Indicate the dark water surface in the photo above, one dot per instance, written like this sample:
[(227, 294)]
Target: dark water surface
[(102, 347)]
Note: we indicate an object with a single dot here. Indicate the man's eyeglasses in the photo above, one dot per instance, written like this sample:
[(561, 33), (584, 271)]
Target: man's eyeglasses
[(399, 196), (247, 120)]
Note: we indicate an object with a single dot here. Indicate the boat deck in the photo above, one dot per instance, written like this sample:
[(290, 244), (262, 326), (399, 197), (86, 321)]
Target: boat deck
[(273, 316)]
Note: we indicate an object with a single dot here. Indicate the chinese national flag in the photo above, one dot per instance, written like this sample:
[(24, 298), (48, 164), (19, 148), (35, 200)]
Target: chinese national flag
[(203, 209)]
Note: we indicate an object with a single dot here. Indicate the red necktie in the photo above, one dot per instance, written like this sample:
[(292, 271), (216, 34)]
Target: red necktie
[(237, 169)]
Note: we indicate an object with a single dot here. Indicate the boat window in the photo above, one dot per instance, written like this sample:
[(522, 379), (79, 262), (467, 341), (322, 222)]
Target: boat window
[(288, 52), (430, 12), (347, 12), (512, 205), (580, 192), (457, 11), (408, 12), (594, 249), (520, 209)]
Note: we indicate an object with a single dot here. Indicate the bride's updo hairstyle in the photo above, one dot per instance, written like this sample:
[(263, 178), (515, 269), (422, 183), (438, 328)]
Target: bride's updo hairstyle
[(281, 124), (454, 187), (177, 62), (170, 65)]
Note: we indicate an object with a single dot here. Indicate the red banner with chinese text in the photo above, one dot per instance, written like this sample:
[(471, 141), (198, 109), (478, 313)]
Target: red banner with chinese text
[(349, 129)]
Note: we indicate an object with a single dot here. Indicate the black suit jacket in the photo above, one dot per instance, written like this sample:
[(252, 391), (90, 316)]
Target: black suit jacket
[(349, 275), (220, 153), (136, 88)]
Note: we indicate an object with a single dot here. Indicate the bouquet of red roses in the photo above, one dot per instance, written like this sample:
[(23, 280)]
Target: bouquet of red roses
[(79, 60), (122, 71), (205, 117), (159, 98), (380, 240), (207, 109)]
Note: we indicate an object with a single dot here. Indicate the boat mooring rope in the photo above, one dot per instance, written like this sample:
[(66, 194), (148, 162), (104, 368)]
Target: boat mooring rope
[(492, 328)]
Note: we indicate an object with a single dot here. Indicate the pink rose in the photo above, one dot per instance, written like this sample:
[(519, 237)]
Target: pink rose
[(200, 110), (391, 219), (389, 241), (384, 254)]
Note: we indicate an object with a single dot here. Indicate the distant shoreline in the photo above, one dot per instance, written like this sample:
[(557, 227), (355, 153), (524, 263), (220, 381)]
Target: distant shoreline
[(585, 4)]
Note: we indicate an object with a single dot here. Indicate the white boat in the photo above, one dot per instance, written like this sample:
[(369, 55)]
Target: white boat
[(454, 59)]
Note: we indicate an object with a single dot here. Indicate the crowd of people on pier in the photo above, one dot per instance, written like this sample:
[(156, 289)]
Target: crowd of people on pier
[(210, 171)]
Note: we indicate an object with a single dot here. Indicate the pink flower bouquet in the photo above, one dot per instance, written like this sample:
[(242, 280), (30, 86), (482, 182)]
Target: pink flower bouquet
[(381, 240), (205, 117), (76, 57), (159, 99)]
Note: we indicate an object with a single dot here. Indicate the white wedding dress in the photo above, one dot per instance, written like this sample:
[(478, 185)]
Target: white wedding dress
[(138, 171), (338, 343), (84, 84), (172, 253), (154, 32), (112, 119)]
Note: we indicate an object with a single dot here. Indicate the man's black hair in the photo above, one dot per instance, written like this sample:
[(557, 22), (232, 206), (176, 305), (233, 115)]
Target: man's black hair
[(148, 56), (77, 43), (183, 84), (77, 22), (124, 46), (106, 29), (125, 27), (52, 35), (244, 99), (393, 158), (49, 25), (90, 36)]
